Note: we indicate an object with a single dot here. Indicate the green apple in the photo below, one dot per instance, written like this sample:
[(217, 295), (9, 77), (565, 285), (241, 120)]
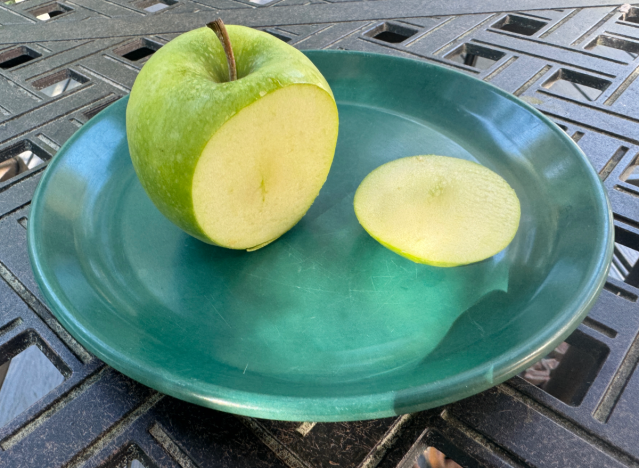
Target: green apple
[(438, 210), (233, 163)]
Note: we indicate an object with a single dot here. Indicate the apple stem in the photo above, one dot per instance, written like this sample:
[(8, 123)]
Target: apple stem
[(220, 31)]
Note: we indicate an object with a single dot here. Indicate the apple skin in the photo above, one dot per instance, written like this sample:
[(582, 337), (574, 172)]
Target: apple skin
[(182, 96)]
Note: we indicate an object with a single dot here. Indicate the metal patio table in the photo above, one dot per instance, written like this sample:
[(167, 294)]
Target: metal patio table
[(61, 62)]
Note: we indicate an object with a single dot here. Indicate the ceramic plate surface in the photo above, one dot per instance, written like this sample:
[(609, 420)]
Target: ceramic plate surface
[(325, 324)]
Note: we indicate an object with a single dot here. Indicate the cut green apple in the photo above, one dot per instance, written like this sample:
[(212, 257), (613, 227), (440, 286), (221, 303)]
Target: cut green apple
[(233, 163), (438, 210)]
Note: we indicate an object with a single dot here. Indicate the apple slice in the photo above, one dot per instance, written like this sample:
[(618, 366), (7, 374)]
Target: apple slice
[(438, 210)]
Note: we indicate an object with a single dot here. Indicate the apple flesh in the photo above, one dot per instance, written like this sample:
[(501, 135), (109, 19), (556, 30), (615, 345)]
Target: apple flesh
[(233, 163), (438, 210)]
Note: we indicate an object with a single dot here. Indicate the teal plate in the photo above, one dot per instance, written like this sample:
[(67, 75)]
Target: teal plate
[(325, 324)]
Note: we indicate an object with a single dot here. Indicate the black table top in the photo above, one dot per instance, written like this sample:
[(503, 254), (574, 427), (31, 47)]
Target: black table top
[(575, 61)]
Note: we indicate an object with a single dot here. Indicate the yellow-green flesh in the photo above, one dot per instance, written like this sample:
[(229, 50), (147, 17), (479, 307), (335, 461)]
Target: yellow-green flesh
[(438, 210), (260, 172)]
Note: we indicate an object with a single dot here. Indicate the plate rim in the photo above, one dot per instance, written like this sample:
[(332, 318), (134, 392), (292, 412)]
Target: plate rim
[(321, 409)]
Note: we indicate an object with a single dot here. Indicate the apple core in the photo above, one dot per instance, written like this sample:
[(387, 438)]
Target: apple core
[(261, 171)]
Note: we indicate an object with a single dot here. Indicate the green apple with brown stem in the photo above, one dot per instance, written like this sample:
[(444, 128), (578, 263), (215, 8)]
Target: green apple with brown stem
[(232, 134)]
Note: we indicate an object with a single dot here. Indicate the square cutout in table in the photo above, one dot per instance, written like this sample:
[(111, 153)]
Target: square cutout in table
[(520, 25), (153, 6), (26, 374), (433, 450), (393, 33), (19, 158), (614, 47), (279, 35), (576, 85), (138, 50), (570, 369), (632, 15), (475, 56), (59, 82), (17, 56), (49, 11)]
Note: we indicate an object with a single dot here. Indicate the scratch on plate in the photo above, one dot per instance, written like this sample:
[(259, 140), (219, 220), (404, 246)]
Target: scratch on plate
[(481, 329), (245, 369), (221, 316)]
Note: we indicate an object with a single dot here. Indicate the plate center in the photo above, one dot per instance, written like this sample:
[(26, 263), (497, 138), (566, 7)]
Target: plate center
[(325, 300)]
